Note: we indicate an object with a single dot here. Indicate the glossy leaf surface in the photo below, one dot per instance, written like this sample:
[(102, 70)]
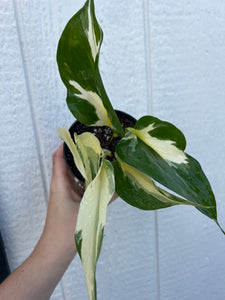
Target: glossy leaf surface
[(138, 189), (78, 60), (156, 148)]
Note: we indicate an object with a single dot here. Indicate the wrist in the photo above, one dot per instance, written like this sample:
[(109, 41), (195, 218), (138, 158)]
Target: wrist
[(58, 235), (50, 248), (38, 276)]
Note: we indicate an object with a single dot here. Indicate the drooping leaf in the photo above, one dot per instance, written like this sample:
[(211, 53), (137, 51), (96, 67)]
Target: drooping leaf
[(90, 150), (86, 152), (138, 189), (78, 60), (150, 149), (64, 135), (91, 222)]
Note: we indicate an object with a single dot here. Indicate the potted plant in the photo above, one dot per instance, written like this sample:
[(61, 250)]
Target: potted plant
[(112, 152)]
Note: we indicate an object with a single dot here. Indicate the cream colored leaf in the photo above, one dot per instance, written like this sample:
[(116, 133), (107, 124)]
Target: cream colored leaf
[(165, 148), (64, 134), (91, 152), (91, 222)]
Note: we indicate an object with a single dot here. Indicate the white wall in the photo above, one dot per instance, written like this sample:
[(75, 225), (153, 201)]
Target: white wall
[(160, 57)]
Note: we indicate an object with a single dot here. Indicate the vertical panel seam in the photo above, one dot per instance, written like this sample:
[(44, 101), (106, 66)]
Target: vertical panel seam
[(149, 92), (63, 280), (157, 252), (148, 69), (31, 97), (32, 106)]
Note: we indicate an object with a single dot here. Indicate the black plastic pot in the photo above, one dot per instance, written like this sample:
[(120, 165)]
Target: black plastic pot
[(103, 133)]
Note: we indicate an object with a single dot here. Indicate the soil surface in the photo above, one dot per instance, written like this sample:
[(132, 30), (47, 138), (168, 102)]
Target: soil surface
[(103, 133)]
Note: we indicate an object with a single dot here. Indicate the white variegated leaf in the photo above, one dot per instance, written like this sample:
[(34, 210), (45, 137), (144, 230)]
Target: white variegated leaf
[(91, 222), (78, 62), (143, 182), (90, 150), (163, 137), (156, 148), (64, 134), (93, 99), (165, 148)]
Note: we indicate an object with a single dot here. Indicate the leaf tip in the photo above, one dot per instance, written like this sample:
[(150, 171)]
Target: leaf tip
[(220, 227)]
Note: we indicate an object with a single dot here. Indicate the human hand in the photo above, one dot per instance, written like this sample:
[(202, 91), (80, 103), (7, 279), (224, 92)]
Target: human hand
[(64, 201), (38, 276)]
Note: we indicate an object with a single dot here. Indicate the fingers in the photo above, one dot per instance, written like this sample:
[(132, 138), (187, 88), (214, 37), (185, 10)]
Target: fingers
[(61, 175), (59, 167), (58, 162), (62, 178)]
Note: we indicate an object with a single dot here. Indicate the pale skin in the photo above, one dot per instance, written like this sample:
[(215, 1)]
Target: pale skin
[(38, 276)]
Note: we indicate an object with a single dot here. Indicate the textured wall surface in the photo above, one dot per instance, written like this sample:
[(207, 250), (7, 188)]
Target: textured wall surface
[(160, 57)]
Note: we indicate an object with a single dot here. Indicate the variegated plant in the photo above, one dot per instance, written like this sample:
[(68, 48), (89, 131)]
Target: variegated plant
[(152, 150)]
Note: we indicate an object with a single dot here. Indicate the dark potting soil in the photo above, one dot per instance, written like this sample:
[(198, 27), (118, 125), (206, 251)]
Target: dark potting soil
[(103, 133)]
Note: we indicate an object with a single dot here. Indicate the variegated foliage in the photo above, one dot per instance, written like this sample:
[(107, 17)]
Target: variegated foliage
[(78, 59), (153, 150), (100, 186)]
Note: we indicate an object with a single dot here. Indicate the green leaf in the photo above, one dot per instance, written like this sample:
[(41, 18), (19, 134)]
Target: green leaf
[(78, 60), (91, 222), (138, 189), (162, 130), (152, 150)]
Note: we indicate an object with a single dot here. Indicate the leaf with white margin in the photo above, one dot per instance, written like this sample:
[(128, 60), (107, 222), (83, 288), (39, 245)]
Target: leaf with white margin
[(78, 60), (90, 150), (156, 148), (91, 222), (64, 135)]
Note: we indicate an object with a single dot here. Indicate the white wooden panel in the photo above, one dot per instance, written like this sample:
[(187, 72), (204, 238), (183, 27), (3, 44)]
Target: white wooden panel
[(22, 198), (128, 263), (130, 233), (188, 61)]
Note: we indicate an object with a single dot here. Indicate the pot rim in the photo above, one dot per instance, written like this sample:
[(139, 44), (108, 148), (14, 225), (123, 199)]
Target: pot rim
[(77, 174)]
